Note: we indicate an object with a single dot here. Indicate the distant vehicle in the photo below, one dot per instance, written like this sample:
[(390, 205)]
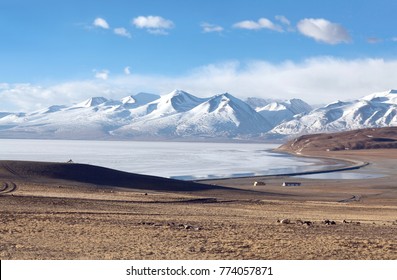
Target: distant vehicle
[(289, 184), (259, 183)]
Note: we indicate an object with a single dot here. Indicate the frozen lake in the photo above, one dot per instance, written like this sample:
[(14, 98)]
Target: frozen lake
[(181, 160), (341, 176)]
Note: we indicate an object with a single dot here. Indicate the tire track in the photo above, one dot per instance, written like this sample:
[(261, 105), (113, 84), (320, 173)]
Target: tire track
[(3, 187), (7, 187), (351, 199), (12, 171)]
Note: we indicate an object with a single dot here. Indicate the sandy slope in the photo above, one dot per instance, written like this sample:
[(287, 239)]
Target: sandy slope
[(110, 215)]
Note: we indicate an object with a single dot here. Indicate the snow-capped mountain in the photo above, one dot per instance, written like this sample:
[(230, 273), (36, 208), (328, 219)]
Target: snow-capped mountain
[(375, 110), (232, 116), (93, 118), (175, 115), (177, 101), (180, 115), (280, 111)]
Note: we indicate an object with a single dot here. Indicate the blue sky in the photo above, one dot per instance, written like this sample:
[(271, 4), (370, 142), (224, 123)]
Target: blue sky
[(64, 51)]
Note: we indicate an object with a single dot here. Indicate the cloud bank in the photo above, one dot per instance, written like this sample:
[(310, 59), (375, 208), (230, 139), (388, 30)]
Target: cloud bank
[(317, 80)]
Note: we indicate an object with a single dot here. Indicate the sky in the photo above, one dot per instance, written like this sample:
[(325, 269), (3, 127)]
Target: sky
[(63, 52)]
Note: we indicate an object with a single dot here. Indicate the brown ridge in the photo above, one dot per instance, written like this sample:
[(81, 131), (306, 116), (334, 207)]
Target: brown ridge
[(90, 174)]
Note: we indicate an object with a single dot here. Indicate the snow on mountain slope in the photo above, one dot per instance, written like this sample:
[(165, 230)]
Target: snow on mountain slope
[(159, 117), (177, 101), (10, 120), (255, 102), (182, 115), (388, 97), (51, 109), (90, 119), (278, 112), (98, 117), (375, 110), (298, 106), (134, 101), (91, 102), (223, 115), (79, 123)]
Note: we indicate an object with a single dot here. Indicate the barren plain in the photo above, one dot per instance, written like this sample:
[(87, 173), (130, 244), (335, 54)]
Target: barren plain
[(72, 211)]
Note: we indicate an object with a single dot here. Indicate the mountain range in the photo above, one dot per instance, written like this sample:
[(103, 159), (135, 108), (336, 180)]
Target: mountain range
[(180, 115), (374, 110)]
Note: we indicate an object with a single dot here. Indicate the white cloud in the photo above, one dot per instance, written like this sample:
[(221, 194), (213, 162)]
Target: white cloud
[(102, 75), (121, 31), (100, 22), (30, 97), (127, 70), (157, 31), (262, 23), (154, 24), (374, 40), (323, 30), (316, 80), (283, 20), (208, 28)]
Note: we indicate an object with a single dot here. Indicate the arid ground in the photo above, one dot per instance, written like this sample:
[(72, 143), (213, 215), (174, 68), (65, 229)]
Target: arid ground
[(51, 211)]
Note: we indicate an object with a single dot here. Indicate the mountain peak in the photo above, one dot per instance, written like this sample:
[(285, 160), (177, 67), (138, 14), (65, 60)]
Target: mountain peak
[(274, 106), (182, 101), (228, 95), (140, 99), (128, 100), (178, 92), (225, 97), (224, 114), (384, 96), (257, 103), (91, 102), (335, 104), (144, 98)]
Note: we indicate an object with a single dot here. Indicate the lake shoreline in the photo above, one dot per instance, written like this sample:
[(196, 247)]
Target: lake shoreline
[(349, 165)]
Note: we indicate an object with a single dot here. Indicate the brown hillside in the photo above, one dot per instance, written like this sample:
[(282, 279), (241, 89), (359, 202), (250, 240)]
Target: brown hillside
[(90, 174), (369, 138)]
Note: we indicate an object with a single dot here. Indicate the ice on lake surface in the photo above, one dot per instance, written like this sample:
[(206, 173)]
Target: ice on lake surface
[(341, 175), (181, 160)]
